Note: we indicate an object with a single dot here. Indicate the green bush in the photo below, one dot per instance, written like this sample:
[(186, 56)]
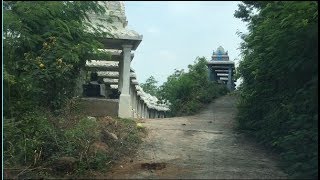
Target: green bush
[(131, 137), (190, 91), (80, 137), (98, 162), (278, 99), (29, 140), (45, 46)]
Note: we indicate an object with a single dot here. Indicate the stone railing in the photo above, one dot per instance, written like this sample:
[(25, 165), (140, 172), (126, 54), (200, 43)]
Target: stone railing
[(115, 70), (142, 104), (145, 105)]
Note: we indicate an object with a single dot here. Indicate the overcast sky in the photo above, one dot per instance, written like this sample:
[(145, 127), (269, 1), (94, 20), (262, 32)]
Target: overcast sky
[(175, 33)]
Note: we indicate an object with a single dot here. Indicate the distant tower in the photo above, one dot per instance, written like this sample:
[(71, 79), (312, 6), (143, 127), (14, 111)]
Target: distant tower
[(221, 69)]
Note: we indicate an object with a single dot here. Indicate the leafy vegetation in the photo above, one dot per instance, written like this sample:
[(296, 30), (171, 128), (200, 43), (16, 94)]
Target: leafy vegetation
[(188, 91), (46, 44), (150, 86), (45, 143), (278, 98)]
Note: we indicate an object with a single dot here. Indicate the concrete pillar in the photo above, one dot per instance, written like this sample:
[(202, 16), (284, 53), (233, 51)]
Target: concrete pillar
[(152, 113), (133, 95), (143, 110), (230, 81), (214, 74), (135, 102), (124, 101), (146, 113), (211, 78), (120, 76), (137, 105), (131, 100), (140, 108)]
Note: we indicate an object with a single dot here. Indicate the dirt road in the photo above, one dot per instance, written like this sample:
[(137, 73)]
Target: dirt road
[(203, 146)]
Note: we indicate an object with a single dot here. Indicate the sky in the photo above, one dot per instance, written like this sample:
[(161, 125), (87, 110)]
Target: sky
[(175, 33)]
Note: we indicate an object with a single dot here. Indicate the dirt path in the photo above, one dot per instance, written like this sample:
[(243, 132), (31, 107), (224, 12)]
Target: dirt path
[(197, 147)]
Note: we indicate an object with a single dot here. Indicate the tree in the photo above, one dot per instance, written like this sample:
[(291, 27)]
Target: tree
[(189, 91), (46, 43), (150, 86), (278, 97)]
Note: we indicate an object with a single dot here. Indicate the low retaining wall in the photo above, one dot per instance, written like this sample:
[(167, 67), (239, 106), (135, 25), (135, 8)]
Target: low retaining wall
[(98, 107)]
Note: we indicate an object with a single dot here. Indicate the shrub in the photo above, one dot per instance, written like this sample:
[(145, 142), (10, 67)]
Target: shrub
[(189, 91), (278, 99), (29, 140)]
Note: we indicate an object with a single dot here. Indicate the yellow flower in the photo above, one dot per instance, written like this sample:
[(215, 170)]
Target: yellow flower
[(41, 65), (139, 125), (59, 60)]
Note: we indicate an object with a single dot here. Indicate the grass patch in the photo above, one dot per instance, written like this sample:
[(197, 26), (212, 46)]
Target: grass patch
[(71, 145)]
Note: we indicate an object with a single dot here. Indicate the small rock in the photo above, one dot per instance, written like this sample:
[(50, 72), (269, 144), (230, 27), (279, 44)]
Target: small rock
[(114, 136), (131, 160), (110, 135), (183, 124), (92, 118), (210, 122)]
